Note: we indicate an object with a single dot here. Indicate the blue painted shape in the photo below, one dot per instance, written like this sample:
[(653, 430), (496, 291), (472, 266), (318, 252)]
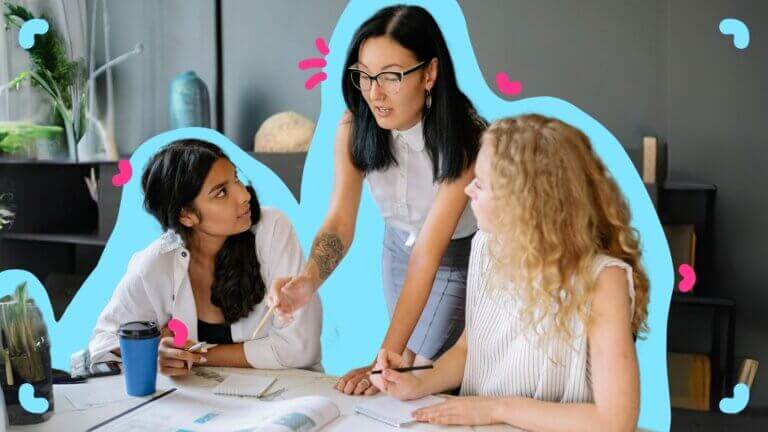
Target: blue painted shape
[(736, 28), (29, 402), (31, 28), (738, 402)]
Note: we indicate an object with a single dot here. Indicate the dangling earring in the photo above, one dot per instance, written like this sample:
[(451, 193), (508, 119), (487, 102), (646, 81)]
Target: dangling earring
[(428, 104)]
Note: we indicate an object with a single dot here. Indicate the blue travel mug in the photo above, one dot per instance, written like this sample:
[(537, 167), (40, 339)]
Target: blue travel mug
[(139, 341)]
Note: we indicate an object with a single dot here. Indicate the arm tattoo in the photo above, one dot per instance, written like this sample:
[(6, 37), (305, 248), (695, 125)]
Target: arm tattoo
[(327, 251)]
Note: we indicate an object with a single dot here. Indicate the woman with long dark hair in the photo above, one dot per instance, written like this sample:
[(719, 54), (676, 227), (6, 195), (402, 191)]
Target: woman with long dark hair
[(211, 269), (414, 136)]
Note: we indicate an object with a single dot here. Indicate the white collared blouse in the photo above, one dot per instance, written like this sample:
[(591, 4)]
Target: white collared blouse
[(156, 287), (406, 191)]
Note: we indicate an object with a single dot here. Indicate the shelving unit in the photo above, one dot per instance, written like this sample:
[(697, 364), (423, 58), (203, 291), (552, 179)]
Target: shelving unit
[(694, 204)]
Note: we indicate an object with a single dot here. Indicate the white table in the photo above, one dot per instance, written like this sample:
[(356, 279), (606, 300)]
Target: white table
[(68, 417)]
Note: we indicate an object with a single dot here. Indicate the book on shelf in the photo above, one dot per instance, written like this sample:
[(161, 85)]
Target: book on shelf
[(682, 246), (689, 380)]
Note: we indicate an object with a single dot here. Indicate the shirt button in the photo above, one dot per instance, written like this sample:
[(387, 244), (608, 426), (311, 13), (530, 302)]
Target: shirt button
[(184, 254)]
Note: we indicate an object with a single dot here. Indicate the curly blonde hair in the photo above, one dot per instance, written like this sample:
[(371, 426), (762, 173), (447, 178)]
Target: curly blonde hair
[(556, 208)]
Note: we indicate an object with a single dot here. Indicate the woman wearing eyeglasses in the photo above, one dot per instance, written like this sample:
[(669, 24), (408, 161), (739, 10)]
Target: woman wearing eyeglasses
[(414, 137)]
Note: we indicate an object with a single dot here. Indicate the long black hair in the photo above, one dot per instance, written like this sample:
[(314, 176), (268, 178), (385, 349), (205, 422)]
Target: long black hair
[(171, 181), (451, 125)]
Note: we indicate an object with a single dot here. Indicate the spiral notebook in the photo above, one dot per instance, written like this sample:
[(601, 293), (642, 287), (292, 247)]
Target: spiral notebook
[(244, 385), (393, 412)]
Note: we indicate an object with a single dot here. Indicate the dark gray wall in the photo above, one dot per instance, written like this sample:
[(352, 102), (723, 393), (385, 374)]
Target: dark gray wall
[(263, 43), (177, 35), (602, 55)]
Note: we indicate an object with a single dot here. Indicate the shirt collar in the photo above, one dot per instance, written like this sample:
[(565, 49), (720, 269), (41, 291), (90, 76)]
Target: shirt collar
[(170, 240), (414, 136)]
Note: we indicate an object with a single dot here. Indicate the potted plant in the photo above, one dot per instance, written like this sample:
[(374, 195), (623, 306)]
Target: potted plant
[(62, 79), (25, 355)]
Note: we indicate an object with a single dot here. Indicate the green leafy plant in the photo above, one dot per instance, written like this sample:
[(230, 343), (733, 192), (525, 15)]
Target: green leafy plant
[(23, 333), (62, 79), (17, 136)]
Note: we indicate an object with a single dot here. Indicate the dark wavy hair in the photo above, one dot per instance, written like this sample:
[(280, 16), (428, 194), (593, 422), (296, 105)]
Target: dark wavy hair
[(451, 126), (171, 181)]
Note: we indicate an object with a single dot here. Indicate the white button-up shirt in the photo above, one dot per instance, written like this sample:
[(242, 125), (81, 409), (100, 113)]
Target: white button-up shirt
[(156, 287), (406, 191)]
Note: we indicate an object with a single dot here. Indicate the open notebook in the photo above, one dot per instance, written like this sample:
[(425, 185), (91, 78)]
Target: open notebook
[(244, 385), (393, 412)]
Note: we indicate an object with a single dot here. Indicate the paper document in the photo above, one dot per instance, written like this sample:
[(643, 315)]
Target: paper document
[(244, 385), (85, 396), (305, 414), (198, 412), (393, 412)]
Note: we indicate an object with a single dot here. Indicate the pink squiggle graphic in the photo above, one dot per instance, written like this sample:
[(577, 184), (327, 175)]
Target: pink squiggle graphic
[(689, 278), (321, 46), (180, 332), (314, 63), (310, 63), (506, 86), (314, 80), (123, 176)]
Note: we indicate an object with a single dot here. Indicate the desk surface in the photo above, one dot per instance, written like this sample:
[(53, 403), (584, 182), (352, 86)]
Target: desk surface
[(68, 417)]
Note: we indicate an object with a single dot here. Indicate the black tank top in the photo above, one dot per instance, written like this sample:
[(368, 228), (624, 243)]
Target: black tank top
[(214, 333)]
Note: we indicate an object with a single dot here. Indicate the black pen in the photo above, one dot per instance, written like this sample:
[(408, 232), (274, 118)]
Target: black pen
[(405, 369)]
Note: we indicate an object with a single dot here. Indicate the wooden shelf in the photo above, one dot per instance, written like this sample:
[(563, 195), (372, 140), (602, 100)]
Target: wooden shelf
[(689, 186), (697, 300), (77, 239)]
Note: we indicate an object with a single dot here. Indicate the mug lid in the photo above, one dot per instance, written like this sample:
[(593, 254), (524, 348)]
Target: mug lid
[(139, 330)]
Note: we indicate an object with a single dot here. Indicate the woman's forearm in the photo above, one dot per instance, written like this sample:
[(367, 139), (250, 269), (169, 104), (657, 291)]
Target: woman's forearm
[(229, 355), (536, 415), (328, 249), (448, 371)]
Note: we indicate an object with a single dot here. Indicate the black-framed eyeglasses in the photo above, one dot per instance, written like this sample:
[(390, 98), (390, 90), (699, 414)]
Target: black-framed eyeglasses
[(389, 81)]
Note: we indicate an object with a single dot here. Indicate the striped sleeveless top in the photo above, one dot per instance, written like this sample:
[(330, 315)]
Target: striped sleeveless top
[(502, 362)]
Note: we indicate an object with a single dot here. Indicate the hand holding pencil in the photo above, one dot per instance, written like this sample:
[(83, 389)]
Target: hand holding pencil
[(400, 385)]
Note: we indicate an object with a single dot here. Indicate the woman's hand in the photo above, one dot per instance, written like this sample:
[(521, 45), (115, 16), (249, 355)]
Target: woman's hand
[(291, 294), (402, 386), (174, 361), (357, 382), (386, 360), (467, 411)]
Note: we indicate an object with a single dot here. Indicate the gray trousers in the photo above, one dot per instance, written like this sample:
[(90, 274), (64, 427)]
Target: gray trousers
[(442, 319)]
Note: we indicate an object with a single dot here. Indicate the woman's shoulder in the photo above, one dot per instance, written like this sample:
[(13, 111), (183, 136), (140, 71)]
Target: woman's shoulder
[(601, 262), (273, 223), (611, 272), (157, 259), (271, 216), (346, 118)]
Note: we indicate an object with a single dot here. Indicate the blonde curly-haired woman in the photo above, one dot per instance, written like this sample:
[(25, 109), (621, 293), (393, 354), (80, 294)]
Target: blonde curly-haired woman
[(555, 297)]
